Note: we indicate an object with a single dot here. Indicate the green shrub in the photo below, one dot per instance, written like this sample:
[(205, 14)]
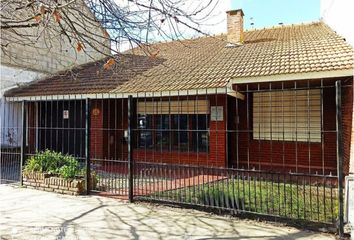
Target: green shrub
[(71, 169), (53, 163)]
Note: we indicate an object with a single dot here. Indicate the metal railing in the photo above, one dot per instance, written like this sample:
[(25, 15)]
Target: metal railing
[(10, 165), (272, 149), (310, 197)]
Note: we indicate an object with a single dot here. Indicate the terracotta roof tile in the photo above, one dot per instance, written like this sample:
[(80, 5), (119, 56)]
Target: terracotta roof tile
[(206, 63)]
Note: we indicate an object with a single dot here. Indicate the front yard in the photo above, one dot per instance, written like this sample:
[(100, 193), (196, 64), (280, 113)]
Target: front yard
[(317, 203), (30, 214)]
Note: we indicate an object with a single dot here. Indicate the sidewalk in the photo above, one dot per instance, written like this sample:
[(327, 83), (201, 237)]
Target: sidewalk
[(31, 214)]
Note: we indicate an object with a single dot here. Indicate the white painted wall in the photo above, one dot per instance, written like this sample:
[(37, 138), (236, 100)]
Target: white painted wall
[(24, 63), (10, 112), (10, 124), (338, 14), (14, 76)]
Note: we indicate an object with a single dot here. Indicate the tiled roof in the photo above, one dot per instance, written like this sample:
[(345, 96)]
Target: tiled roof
[(206, 63), (88, 78)]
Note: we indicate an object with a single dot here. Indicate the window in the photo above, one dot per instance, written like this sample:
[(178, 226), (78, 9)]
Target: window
[(199, 135), (162, 128), (145, 131), (287, 115), (173, 132)]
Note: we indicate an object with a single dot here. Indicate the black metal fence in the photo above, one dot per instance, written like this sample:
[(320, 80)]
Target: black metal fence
[(10, 165), (11, 139), (261, 148), (290, 195)]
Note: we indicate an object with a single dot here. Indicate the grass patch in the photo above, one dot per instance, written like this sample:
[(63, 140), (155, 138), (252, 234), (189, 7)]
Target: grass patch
[(296, 200)]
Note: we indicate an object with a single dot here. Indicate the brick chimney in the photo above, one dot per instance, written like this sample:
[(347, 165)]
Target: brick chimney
[(235, 27)]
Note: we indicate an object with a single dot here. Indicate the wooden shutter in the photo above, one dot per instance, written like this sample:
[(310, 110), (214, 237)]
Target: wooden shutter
[(287, 115), (173, 107)]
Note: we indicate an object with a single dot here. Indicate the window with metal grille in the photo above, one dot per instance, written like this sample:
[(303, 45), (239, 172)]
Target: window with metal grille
[(287, 115), (173, 125)]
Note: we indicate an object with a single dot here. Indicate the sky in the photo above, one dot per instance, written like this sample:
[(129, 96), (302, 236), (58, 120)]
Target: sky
[(267, 13)]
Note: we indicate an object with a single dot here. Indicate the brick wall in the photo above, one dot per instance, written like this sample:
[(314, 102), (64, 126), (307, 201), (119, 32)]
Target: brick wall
[(115, 123), (351, 160), (96, 133), (288, 155), (31, 113), (348, 125), (171, 157), (217, 145), (217, 138), (108, 122), (107, 140), (45, 182), (235, 26)]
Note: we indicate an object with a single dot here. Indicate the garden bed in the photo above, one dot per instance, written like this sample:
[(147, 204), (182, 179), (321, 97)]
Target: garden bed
[(49, 183), (55, 172)]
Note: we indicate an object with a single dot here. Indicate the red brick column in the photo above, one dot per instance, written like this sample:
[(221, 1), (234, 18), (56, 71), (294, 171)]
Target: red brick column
[(348, 126), (96, 131), (32, 127), (217, 137), (217, 141)]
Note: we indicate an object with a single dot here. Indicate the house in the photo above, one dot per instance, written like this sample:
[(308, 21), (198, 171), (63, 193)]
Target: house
[(262, 99), (26, 57)]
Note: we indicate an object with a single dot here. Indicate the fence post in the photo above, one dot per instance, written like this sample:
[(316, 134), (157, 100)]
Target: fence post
[(87, 146), (23, 140), (339, 156), (130, 150)]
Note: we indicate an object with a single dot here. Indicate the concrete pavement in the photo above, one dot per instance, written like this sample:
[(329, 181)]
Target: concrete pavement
[(32, 214)]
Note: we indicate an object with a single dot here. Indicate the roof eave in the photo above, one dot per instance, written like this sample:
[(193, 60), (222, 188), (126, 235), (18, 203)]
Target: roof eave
[(117, 95), (292, 76)]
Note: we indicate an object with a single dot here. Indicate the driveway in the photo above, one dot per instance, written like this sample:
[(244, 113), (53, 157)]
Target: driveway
[(31, 214)]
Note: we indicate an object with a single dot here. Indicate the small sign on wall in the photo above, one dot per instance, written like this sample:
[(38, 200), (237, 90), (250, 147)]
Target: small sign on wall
[(216, 113), (95, 112), (66, 114)]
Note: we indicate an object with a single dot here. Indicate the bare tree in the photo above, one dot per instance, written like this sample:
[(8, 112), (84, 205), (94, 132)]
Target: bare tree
[(98, 26)]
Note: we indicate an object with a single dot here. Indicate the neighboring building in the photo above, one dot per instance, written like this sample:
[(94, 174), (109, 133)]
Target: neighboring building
[(12, 77), (259, 99), (22, 62)]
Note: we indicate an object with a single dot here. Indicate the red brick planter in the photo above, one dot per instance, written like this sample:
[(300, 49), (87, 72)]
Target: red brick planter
[(50, 183)]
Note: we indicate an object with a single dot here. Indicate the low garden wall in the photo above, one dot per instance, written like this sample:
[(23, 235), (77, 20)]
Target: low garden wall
[(56, 172), (50, 183)]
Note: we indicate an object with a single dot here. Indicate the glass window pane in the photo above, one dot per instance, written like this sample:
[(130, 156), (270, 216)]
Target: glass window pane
[(145, 134), (176, 132), (162, 133), (199, 141), (180, 135)]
